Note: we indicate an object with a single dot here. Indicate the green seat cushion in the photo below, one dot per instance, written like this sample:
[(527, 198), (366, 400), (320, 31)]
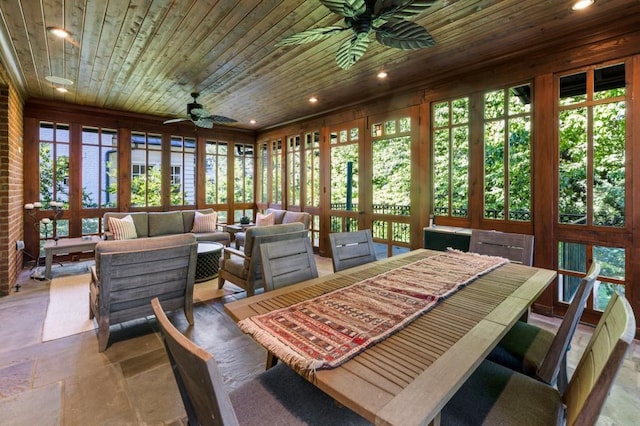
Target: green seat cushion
[(523, 348), (496, 395)]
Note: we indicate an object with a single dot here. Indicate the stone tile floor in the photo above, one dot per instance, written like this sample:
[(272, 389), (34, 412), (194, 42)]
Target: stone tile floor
[(67, 382)]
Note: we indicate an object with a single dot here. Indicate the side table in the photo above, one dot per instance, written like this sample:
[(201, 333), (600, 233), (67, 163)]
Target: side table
[(208, 261), (65, 246)]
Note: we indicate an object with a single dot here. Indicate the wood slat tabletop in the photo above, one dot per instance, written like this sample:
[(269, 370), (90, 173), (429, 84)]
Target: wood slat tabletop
[(408, 377)]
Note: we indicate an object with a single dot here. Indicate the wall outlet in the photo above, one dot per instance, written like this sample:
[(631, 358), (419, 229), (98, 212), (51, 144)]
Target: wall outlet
[(19, 245)]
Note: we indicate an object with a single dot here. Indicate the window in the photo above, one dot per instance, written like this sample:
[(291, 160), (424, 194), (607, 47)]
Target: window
[(276, 172), (216, 172), (146, 173), (591, 136), (294, 170), (312, 167), (507, 154), (344, 168), (243, 179), (451, 157), (183, 171), (54, 147), (99, 167)]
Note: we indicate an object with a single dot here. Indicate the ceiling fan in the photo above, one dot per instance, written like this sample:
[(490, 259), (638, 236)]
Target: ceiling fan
[(200, 116), (384, 17)]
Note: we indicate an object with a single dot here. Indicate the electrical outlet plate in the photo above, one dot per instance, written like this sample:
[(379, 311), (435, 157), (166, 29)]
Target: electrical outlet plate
[(19, 245)]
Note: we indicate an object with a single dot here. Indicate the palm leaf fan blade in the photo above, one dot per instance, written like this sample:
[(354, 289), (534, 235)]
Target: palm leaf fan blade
[(404, 35), (351, 50), (310, 35), (395, 10), (346, 8)]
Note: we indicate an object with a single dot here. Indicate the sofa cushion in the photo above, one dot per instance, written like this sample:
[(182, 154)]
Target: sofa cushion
[(204, 222), (265, 219), (165, 223), (188, 215), (140, 219), (123, 229), (279, 215)]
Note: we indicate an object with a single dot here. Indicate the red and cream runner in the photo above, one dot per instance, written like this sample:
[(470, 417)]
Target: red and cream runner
[(328, 330)]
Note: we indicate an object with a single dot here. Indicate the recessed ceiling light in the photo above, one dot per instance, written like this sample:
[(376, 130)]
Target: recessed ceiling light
[(582, 4), (58, 32), (58, 80), (382, 74), (252, 121), (62, 89), (313, 99)]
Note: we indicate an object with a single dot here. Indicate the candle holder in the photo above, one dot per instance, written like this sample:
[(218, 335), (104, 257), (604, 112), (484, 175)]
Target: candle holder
[(56, 206)]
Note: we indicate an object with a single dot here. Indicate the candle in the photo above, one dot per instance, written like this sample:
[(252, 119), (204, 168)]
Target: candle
[(55, 204), (29, 206), (46, 220), (37, 204)]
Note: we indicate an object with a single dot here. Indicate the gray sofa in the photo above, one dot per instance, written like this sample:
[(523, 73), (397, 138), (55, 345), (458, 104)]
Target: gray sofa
[(281, 217), (155, 224)]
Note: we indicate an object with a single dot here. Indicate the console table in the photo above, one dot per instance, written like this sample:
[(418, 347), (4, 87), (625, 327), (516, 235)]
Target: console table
[(440, 237)]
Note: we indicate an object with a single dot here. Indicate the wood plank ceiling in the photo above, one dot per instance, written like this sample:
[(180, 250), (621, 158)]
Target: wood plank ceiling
[(147, 56)]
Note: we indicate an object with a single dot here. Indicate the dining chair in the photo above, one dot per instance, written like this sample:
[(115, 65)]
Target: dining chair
[(539, 353), (515, 247), (277, 396), (349, 249), (494, 394), (287, 262)]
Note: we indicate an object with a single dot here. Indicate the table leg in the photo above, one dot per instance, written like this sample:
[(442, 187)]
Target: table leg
[(48, 262)]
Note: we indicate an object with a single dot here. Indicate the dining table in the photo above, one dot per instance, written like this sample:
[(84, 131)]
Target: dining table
[(407, 378)]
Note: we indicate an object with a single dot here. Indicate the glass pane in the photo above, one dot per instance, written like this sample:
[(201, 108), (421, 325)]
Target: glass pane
[(312, 178), (573, 89), (441, 114), (520, 100), (609, 164), (376, 130), (344, 177), (90, 226), (390, 127), (391, 184), (520, 169), (573, 166), (91, 162), (460, 171), (460, 111), (494, 104), (609, 82), (216, 173), (572, 257), (567, 287), (294, 171), (494, 177), (603, 293), (441, 181), (405, 124), (612, 261)]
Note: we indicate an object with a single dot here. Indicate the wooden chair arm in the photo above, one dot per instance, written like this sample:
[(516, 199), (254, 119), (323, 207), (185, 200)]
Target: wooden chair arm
[(230, 250)]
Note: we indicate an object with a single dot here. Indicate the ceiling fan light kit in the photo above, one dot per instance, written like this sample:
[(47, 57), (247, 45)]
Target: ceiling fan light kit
[(384, 17), (200, 116)]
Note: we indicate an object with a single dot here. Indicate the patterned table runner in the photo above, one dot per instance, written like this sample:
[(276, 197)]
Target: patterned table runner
[(326, 331)]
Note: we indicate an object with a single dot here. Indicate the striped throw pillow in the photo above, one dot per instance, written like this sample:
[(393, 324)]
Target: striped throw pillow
[(205, 222), (123, 229), (265, 219)]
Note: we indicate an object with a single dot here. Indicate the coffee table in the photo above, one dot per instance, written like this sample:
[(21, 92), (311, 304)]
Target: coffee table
[(208, 261), (66, 246)]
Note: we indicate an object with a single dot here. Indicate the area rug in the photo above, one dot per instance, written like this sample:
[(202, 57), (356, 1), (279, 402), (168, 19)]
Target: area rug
[(325, 331), (68, 310)]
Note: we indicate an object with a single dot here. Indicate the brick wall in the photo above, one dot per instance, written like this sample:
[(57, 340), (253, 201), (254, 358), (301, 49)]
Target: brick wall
[(11, 182)]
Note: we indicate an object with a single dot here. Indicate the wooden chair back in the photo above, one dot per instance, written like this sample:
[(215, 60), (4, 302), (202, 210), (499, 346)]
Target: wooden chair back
[(600, 362), (553, 367), (515, 247), (287, 262), (200, 383), (349, 249)]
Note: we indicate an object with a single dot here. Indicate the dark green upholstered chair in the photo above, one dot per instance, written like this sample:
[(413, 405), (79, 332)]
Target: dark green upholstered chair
[(539, 353), (496, 395)]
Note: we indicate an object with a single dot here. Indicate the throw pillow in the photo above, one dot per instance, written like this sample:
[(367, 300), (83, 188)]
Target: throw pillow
[(123, 229), (265, 219), (205, 222)]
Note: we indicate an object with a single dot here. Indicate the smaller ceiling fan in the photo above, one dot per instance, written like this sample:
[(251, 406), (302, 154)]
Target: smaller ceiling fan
[(200, 116), (384, 17)]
